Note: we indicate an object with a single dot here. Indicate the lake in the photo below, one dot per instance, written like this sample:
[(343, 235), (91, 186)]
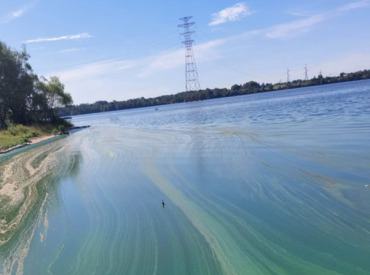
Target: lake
[(272, 183)]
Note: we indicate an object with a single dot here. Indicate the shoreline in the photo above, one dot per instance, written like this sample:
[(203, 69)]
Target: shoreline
[(202, 94), (23, 181), (39, 139), (24, 187), (35, 140), (31, 141)]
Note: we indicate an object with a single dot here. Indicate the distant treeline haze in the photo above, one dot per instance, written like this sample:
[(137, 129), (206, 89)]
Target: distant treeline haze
[(251, 87)]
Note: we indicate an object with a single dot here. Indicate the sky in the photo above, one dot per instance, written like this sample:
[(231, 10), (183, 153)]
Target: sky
[(120, 49)]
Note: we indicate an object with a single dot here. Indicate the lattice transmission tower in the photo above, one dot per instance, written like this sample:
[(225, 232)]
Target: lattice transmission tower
[(305, 73), (191, 72)]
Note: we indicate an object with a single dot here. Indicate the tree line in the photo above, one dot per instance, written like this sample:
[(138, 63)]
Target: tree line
[(26, 98), (251, 87)]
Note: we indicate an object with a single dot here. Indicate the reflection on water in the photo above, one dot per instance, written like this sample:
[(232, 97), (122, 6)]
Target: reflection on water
[(271, 183)]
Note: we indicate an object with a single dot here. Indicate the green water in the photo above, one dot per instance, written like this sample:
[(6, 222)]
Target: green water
[(267, 184)]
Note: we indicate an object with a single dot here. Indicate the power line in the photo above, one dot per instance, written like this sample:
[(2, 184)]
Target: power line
[(191, 72)]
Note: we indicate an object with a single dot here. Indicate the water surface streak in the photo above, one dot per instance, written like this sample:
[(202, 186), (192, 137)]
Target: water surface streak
[(270, 183)]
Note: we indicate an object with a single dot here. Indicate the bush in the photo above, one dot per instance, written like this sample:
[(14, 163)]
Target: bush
[(17, 134), (16, 130), (62, 129)]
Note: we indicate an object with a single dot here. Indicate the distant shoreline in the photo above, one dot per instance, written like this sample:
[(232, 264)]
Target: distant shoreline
[(251, 87)]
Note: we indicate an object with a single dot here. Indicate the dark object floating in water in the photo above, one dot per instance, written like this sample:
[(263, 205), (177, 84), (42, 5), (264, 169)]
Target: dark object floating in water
[(80, 127), (75, 129), (163, 204)]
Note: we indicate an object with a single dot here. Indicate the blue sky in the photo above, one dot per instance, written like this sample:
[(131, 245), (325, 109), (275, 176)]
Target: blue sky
[(118, 49)]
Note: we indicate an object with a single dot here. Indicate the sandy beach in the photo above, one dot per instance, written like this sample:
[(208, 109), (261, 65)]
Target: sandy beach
[(39, 139)]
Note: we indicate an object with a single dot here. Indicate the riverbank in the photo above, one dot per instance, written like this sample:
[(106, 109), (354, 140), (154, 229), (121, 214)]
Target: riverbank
[(25, 176), (17, 136), (30, 142), (25, 179)]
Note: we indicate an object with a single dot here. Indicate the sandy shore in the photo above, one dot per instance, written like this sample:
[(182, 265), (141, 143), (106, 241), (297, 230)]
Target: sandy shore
[(23, 185), (39, 139)]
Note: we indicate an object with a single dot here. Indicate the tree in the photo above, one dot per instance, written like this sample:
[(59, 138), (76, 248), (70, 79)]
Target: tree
[(55, 96), (24, 99), (251, 87), (16, 85)]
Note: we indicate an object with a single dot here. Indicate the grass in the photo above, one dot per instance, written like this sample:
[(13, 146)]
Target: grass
[(18, 134)]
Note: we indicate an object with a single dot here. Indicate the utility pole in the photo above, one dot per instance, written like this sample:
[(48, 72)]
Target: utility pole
[(305, 73), (287, 75), (191, 73)]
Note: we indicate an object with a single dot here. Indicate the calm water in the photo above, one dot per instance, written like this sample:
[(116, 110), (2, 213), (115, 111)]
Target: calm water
[(271, 183)]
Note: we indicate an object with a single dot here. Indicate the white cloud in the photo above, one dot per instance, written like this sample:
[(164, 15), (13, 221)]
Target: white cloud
[(294, 27), (71, 50), (93, 70), (298, 13), (147, 65), (232, 13), (304, 25), (16, 14), (157, 74), (90, 82), (166, 61), (65, 37), (355, 5)]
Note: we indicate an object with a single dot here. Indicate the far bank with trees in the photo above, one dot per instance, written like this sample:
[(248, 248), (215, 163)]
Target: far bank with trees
[(251, 87)]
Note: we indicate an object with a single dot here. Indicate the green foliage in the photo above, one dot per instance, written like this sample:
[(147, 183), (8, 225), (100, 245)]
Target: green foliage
[(7, 141), (24, 98), (62, 129), (18, 134), (17, 130)]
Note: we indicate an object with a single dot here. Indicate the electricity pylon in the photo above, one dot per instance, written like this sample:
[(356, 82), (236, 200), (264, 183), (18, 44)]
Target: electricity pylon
[(191, 73)]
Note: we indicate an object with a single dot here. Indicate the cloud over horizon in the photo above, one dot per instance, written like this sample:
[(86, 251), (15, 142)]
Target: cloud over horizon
[(304, 25), (71, 50), (355, 5), (294, 27), (122, 78), (65, 37), (232, 13)]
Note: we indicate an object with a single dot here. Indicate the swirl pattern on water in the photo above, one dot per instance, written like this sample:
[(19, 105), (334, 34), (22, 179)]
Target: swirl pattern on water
[(271, 183)]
